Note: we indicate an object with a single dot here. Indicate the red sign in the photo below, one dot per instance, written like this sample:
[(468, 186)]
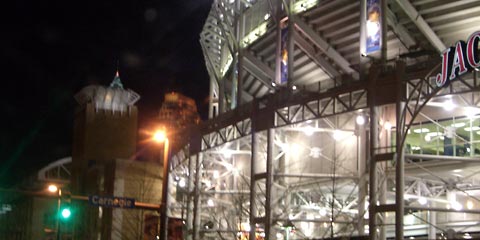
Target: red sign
[(459, 59)]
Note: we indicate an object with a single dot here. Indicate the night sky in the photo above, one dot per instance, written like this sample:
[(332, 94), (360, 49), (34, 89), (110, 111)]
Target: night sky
[(49, 50)]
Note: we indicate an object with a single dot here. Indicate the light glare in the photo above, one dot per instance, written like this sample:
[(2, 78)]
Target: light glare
[(159, 136), (422, 200), (52, 188), (387, 126), (308, 130), (448, 105), (360, 120), (457, 206), (181, 183), (66, 213), (337, 135), (469, 205)]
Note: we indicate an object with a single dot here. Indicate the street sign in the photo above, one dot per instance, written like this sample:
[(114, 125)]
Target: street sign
[(113, 202)]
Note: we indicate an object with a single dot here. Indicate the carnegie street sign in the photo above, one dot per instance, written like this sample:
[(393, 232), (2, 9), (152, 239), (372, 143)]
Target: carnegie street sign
[(113, 202)]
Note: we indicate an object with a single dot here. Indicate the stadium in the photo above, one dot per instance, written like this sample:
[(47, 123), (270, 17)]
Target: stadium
[(334, 119)]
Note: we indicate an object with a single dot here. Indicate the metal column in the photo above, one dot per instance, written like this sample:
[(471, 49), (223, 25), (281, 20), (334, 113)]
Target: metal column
[(239, 56), (362, 175), (253, 160), (290, 45), (363, 36), (432, 219), (383, 13), (372, 221), (269, 180), (399, 174), (221, 96), (400, 161), (197, 198), (190, 201)]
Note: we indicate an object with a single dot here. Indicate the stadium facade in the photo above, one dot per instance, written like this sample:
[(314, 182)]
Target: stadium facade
[(335, 118)]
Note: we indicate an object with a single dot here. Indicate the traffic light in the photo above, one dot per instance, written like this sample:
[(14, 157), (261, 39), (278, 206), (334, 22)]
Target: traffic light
[(66, 213)]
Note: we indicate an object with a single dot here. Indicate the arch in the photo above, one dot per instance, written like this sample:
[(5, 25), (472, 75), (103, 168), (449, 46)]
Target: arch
[(423, 90), (58, 171)]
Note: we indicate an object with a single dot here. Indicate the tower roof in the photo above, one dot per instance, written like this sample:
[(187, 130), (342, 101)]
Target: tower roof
[(116, 83), (113, 97)]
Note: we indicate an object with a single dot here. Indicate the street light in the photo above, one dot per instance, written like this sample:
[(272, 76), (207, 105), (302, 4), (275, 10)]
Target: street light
[(52, 188), (55, 189), (160, 136)]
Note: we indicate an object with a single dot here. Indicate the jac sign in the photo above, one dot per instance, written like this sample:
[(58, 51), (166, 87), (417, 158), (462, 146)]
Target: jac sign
[(113, 202), (459, 59)]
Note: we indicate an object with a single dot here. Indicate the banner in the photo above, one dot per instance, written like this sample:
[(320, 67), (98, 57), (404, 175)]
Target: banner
[(373, 26), (284, 53)]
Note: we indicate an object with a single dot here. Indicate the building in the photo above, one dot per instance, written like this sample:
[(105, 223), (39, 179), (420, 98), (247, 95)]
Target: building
[(335, 119), (103, 162), (177, 113)]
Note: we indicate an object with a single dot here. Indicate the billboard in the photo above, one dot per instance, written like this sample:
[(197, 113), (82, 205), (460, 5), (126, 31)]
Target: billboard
[(373, 26), (284, 52)]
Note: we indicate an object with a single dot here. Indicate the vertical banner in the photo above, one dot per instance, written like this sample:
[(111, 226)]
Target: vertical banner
[(373, 26), (283, 52)]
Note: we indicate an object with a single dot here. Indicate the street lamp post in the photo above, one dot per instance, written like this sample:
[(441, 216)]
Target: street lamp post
[(59, 203), (54, 189), (160, 136)]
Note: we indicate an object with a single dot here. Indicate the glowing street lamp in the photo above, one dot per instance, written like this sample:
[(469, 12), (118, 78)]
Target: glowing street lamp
[(159, 136), (52, 188)]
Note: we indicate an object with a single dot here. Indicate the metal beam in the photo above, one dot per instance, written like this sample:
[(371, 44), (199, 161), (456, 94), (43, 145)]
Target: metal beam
[(211, 31), (245, 95), (210, 64), (317, 58), (399, 29), (450, 5), (259, 69), (325, 47), (422, 25), (225, 23)]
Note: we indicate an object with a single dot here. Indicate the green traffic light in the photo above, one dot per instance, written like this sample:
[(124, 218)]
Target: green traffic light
[(66, 213)]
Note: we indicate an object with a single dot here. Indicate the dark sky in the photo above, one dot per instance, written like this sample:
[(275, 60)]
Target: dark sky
[(49, 50)]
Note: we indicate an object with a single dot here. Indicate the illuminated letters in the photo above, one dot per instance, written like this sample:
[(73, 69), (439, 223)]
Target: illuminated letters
[(442, 76), (459, 59), (472, 50)]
